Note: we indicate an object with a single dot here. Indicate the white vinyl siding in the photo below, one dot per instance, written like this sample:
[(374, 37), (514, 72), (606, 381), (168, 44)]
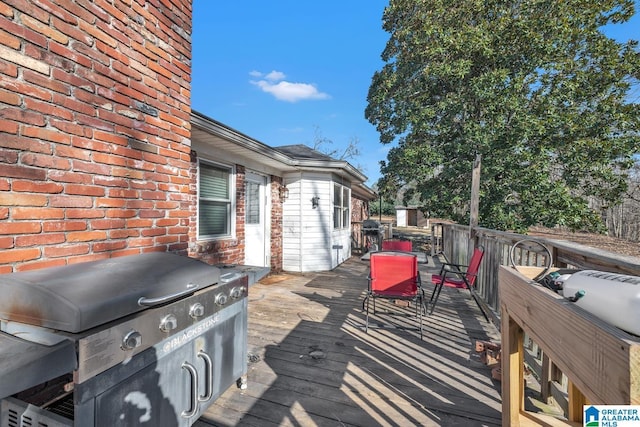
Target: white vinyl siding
[(309, 236)]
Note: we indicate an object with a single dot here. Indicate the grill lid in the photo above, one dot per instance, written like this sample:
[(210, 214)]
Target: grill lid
[(77, 297), (370, 224), (371, 227)]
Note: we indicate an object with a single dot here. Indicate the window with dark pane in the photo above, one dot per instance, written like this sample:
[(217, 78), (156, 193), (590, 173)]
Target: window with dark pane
[(214, 208), (337, 203), (252, 207), (341, 203), (345, 207)]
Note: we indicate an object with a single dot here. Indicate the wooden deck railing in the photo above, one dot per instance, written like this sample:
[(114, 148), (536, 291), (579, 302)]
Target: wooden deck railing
[(453, 240), (582, 359)]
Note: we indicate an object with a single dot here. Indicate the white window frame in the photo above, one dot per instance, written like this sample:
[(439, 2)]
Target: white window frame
[(231, 209), (341, 206)]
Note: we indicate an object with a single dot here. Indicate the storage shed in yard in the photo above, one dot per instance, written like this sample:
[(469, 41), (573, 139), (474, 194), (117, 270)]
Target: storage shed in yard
[(410, 216)]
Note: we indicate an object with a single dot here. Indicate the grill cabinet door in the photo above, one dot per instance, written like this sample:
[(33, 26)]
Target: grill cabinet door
[(154, 396), (162, 393)]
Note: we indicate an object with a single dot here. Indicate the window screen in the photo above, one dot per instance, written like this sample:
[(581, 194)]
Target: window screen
[(214, 208), (341, 202)]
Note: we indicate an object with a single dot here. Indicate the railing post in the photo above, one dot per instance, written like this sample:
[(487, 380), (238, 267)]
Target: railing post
[(474, 205), (576, 402), (556, 262), (545, 378), (512, 370)]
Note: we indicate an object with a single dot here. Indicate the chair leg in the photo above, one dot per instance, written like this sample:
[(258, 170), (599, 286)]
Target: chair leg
[(420, 315), (423, 304), (433, 294), (366, 327), (436, 294)]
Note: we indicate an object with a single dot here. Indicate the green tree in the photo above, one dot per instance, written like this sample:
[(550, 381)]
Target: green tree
[(534, 86), (387, 207)]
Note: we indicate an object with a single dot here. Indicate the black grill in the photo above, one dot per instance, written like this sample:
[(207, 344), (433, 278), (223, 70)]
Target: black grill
[(372, 231), (371, 227), (80, 343)]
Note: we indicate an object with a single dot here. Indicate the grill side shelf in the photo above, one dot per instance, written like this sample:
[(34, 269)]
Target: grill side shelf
[(24, 364)]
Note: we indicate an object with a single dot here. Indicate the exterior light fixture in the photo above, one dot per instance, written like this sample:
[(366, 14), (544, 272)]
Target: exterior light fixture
[(284, 192), (315, 201)]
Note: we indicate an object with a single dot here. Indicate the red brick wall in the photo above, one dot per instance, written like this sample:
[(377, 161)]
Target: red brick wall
[(94, 129), (278, 193), (359, 212)]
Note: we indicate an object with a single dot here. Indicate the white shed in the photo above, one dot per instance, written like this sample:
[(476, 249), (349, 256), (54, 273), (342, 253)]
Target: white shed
[(410, 216)]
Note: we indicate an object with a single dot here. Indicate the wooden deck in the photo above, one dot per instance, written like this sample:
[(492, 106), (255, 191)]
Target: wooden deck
[(312, 364)]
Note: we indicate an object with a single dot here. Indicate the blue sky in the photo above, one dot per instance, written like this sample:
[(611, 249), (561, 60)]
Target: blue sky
[(289, 71)]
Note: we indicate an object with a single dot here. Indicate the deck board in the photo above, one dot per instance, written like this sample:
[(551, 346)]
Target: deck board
[(312, 364)]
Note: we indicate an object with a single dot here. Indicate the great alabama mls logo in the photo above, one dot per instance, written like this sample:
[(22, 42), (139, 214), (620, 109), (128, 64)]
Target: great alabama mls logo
[(591, 417), (611, 415)]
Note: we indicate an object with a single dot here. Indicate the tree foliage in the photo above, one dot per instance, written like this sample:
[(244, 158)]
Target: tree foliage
[(381, 205), (534, 87)]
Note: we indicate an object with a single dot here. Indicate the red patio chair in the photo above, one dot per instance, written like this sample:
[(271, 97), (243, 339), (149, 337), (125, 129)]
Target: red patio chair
[(394, 275), (397, 245), (458, 276)]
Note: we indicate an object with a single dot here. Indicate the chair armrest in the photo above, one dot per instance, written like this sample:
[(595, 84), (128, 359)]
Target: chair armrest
[(458, 268), (446, 273), (461, 274), (454, 264)]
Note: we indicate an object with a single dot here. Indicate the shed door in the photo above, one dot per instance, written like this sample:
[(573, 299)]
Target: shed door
[(256, 227), (412, 219)]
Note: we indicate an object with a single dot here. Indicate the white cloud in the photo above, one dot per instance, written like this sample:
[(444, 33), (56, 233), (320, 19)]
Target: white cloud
[(283, 90), (275, 76)]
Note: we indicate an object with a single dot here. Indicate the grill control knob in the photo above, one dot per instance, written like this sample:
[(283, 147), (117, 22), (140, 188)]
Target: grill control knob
[(168, 323), (221, 299), (236, 292), (196, 310), (132, 340)]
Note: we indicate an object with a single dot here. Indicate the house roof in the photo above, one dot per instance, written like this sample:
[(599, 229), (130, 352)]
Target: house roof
[(210, 132), (302, 152), (207, 132)]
